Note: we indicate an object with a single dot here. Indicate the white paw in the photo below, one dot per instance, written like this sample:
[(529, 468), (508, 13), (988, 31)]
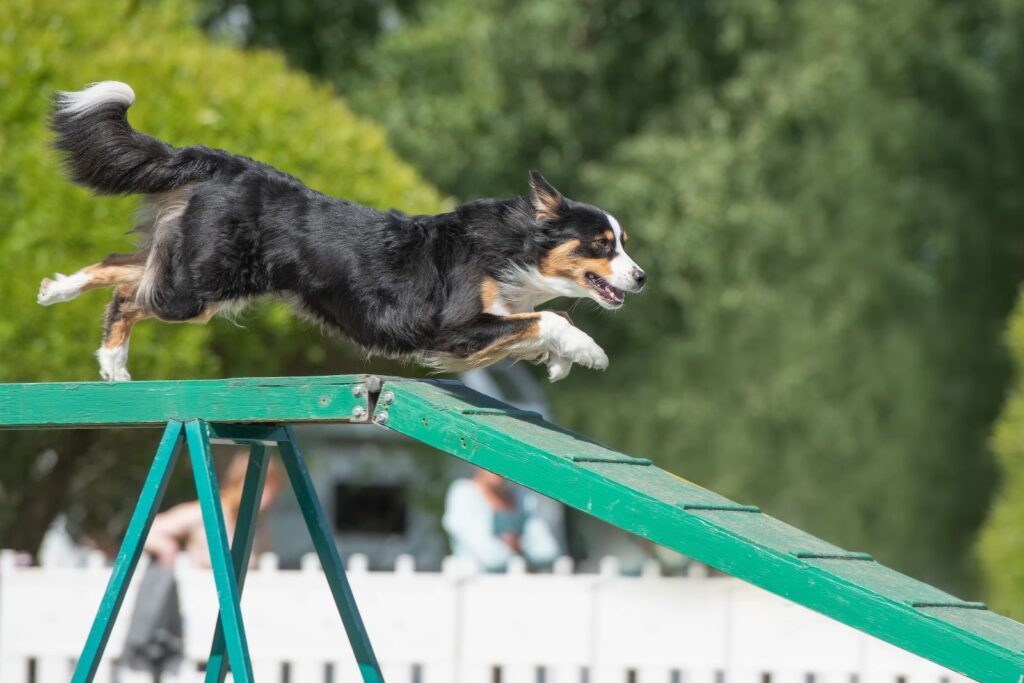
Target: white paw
[(114, 363), (115, 375), (63, 288), (558, 367), (581, 349)]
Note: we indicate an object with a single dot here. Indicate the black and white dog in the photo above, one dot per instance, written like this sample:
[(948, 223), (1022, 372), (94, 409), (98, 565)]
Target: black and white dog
[(451, 291)]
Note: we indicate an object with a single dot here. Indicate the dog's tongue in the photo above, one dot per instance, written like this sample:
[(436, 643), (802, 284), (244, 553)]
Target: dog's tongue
[(612, 294)]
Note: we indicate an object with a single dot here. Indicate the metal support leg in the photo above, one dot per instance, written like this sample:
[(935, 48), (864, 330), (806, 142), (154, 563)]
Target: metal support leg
[(216, 535), (323, 540), (241, 549), (131, 550)]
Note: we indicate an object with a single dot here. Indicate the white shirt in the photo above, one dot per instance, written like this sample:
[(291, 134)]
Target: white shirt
[(472, 523)]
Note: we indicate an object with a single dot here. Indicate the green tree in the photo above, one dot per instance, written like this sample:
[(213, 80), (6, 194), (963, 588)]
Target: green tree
[(189, 91), (1001, 543), (826, 198)]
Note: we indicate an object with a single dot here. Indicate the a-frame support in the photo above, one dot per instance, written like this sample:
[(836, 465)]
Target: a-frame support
[(229, 563)]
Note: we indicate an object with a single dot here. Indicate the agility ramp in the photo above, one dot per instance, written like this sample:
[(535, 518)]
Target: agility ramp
[(628, 492)]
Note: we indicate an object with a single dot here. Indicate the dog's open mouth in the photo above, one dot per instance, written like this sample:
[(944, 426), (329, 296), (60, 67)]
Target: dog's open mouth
[(613, 295)]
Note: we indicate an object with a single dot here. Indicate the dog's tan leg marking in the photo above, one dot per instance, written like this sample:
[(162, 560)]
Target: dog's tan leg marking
[(550, 338), (509, 344), (113, 270), (122, 314)]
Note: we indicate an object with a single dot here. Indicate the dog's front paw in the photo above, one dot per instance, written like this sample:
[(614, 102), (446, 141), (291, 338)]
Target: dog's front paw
[(558, 367), (579, 348)]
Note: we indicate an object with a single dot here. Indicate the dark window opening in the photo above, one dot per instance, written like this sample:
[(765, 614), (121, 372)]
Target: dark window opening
[(370, 509)]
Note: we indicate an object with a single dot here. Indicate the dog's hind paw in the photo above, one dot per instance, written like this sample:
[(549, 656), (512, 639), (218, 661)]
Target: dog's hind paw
[(63, 288), (115, 375)]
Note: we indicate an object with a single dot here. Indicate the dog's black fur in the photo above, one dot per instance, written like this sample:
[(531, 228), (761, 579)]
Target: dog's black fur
[(396, 284)]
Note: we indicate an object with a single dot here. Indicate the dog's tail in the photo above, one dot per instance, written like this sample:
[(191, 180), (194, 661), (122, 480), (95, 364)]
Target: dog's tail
[(104, 153)]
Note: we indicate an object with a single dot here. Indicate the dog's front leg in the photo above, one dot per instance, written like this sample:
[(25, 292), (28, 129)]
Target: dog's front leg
[(545, 336)]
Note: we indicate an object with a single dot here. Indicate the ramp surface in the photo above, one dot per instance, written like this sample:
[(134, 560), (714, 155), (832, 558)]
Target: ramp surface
[(633, 494)]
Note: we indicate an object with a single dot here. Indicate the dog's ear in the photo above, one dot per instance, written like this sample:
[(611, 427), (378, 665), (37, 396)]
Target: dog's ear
[(547, 201)]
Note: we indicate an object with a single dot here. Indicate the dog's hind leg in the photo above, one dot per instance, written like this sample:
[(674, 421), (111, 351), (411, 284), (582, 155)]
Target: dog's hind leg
[(122, 314), (116, 268)]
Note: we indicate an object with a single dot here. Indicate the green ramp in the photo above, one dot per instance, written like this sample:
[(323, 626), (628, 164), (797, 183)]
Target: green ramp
[(633, 494), (629, 492)]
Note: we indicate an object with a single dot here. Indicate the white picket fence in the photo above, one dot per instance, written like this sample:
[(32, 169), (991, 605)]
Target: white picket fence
[(458, 626)]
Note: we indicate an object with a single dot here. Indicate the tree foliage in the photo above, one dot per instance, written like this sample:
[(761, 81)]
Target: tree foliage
[(190, 91), (1001, 543), (825, 196)]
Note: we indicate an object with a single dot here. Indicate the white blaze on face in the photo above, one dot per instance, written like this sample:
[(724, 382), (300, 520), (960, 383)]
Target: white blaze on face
[(624, 269)]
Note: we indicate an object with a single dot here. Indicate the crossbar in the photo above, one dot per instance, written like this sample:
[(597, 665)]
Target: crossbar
[(287, 400)]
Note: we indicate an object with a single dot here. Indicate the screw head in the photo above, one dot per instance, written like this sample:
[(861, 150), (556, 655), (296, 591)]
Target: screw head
[(358, 413), (380, 418), (358, 389), (387, 398)]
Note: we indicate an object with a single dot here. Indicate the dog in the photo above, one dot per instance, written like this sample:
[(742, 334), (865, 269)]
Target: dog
[(451, 291)]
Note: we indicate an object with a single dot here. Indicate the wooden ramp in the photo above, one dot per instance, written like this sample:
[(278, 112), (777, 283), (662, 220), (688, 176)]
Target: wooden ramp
[(631, 493)]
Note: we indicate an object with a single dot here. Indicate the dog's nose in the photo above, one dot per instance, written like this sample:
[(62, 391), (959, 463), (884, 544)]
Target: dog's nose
[(640, 277)]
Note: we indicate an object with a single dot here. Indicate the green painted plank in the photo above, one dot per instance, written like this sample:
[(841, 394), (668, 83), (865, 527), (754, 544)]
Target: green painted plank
[(120, 404), (738, 539)]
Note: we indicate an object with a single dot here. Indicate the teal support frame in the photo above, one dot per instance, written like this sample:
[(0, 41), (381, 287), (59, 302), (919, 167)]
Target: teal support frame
[(130, 552), (241, 549), (220, 555), (229, 563), (323, 540)]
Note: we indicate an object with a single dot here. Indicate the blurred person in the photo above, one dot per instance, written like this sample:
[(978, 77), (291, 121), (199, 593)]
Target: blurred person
[(180, 528), (490, 520), (154, 642)]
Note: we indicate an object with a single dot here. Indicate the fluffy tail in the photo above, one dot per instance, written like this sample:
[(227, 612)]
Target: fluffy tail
[(104, 153)]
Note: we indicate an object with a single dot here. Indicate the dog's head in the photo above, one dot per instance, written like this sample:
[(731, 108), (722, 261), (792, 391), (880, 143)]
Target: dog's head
[(584, 248)]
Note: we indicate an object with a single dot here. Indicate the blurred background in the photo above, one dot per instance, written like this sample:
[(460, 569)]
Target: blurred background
[(827, 197)]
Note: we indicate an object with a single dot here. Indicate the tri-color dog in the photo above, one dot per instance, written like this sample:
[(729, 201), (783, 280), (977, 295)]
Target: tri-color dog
[(451, 291)]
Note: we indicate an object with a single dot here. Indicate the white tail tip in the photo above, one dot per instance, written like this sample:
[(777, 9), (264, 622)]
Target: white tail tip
[(95, 95)]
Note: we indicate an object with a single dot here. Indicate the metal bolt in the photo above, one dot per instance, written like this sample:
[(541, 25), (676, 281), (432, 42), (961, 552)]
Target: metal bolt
[(357, 390), (358, 413), (324, 401), (380, 418), (387, 398)]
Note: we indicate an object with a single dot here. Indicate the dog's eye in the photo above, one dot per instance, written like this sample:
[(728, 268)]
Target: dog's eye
[(603, 242)]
